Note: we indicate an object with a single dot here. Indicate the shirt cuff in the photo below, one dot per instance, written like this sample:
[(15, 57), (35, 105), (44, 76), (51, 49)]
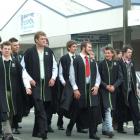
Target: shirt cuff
[(27, 84), (53, 77), (97, 85), (74, 87)]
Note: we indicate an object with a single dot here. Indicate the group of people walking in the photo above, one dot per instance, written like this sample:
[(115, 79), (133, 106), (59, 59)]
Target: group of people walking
[(85, 91)]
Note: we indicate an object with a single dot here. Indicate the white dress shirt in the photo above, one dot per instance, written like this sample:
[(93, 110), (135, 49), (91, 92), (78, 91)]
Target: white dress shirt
[(72, 76), (27, 78), (61, 77), (5, 59)]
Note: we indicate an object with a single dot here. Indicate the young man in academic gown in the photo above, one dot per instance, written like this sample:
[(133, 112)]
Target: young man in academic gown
[(129, 90), (111, 78), (21, 97), (64, 67), (11, 77), (66, 91), (85, 81), (40, 64)]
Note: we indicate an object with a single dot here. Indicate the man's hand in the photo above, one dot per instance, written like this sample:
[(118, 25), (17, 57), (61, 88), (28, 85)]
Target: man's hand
[(108, 87), (94, 90), (33, 83), (28, 91), (51, 82), (112, 88), (77, 94)]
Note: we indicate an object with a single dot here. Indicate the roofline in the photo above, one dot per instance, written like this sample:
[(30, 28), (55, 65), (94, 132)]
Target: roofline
[(50, 8), (81, 5), (69, 16), (135, 3), (90, 12), (13, 15), (100, 10), (105, 3)]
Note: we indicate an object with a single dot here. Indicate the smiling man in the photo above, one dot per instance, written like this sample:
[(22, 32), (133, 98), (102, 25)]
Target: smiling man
[(85, 81)]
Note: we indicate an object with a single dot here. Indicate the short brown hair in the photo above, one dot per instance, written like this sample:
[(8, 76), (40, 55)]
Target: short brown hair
[(13, 39), (5, 43), (110, 48), (70, 43), (38, 34), (84, 44), (126, 47)]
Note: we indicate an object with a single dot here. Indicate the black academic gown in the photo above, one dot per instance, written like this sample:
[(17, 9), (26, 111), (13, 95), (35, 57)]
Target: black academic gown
[(31, 59), (86, 96), (15, 87), (22, 99), (129, 110), (79, 68), (109, 77), (124, 84), (66, 93), (42, 92)]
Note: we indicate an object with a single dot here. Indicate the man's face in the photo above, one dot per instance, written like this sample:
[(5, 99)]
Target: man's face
[(6, 51), (92, 55), (88, 49), (15, 47), (41, 41), (73, 48), (128, 54), (108, 54)]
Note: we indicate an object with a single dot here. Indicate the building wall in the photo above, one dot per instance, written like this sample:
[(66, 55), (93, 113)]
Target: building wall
[(50, 22)]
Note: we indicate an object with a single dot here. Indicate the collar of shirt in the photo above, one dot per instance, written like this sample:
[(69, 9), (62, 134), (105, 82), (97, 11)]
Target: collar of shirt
[(4, 59), (70, 54), (83, 55), (126, 61)]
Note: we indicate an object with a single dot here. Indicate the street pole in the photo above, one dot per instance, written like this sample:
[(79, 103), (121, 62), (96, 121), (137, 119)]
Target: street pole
[(126, 29)]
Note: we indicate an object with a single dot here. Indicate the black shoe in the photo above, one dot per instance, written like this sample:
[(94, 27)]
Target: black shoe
[(61, 128), (94, 137), (136, 131), (110, 134), (19, 127), (68, 132), (81, 131), (16, 131), (50, 129), (121, 131)]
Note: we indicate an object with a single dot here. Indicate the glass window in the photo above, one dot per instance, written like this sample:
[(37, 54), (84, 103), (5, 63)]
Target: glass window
[(57, 53)]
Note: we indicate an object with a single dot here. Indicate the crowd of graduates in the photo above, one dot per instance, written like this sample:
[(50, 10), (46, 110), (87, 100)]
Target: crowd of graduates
[(87, 92)]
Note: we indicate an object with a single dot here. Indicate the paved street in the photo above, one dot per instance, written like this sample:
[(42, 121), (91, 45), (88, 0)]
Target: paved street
[(27, 125)]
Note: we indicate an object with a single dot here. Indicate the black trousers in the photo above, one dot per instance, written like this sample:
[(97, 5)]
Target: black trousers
[(92, 113), (49, 112), (15, 122), (40, 123), (60, 120)]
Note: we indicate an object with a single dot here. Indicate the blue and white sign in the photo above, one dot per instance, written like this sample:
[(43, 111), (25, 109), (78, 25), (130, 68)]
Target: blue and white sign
[(30, 23)]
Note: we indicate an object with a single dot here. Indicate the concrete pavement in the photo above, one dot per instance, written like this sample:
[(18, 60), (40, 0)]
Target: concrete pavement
[(27, 126)]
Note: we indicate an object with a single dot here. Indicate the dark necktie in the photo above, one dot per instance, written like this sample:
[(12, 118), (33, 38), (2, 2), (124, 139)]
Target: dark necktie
[(73, 57), (87, 67)]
